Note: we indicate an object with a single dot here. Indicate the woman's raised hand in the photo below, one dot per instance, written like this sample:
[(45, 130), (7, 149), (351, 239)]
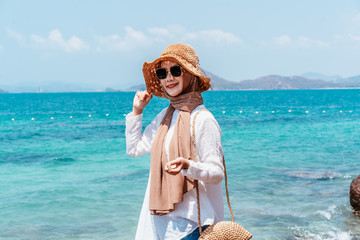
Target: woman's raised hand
[(141, 99)]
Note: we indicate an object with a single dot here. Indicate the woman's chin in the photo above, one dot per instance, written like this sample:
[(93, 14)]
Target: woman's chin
[(173, 92)]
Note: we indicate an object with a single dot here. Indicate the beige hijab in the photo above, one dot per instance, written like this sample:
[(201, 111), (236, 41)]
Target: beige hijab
[(165, 189)]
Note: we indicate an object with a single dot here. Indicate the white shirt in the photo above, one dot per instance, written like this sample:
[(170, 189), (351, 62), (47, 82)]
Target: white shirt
[(208, 169)]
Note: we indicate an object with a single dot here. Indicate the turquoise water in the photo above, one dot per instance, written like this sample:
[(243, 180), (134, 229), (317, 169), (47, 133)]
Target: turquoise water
[(291, 156)]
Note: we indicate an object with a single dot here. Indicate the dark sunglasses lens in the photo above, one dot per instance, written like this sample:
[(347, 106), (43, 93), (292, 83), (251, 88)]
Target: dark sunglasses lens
[(161, 73), (175, 71)]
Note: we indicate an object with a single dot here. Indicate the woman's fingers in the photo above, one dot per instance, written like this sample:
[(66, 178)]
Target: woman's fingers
[(173, 169), (147, 96), (175, 166), (143, 95)]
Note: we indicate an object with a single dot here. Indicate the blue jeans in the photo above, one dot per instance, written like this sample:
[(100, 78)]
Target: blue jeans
[(195, 234)]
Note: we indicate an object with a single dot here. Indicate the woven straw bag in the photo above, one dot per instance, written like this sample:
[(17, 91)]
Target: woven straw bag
[(224, 230)]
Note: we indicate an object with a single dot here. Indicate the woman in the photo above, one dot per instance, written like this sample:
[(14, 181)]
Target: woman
[(170, 207)]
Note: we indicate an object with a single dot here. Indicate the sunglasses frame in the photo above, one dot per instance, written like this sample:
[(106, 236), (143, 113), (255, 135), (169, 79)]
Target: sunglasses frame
[(171, 71)]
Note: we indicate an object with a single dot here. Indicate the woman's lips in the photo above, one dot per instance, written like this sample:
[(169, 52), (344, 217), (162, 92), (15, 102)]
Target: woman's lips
[(172, 85)]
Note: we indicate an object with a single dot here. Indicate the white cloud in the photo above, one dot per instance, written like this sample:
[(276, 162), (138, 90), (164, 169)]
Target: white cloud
[(131, 40), (348, 40), (351, 26), (38, 40), (214, 36), (177, 32), (18, 37), (282, 40), (354, 37), (55, 40), (165, 34), (303, 42), (308, 42), (161, 32), (173, 33)]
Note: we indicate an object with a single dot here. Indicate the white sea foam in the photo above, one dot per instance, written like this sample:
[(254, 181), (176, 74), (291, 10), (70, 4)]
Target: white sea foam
[(313, 175), (328, 213), (333, 234)]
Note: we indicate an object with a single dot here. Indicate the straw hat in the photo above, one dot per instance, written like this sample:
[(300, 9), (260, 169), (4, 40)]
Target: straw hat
[(182, 54)]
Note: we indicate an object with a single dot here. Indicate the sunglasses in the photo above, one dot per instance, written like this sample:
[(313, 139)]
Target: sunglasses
[(175, 71)]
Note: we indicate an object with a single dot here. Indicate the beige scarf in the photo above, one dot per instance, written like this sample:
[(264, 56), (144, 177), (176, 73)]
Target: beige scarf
[(165, 189)]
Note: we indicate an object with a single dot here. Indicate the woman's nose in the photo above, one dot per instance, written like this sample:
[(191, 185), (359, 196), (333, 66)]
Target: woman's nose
[(169, 76)]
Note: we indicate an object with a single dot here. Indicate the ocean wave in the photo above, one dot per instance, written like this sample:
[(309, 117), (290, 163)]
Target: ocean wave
[(334, 234), (314, 175)]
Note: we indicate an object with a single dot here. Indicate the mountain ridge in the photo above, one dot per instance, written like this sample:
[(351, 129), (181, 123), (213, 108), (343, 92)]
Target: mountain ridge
[(268, 82), (274, 82)]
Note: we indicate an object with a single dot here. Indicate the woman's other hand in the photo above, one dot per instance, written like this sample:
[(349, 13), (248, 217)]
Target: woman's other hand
[(174, 167), (141, 99)]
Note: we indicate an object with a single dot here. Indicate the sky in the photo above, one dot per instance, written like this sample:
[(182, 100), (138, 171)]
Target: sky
[(105, 43)]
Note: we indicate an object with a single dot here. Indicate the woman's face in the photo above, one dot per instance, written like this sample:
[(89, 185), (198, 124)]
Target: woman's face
[(174, 86)]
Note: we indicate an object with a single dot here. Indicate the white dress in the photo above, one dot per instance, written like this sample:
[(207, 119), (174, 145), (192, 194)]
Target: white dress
[(208, 170)]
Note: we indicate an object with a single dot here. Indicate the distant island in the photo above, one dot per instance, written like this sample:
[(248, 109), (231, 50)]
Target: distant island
[(269, 82), (273, 82)]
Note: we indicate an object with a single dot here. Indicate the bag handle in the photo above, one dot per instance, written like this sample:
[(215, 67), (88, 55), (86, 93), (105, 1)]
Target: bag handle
[(197, 182)]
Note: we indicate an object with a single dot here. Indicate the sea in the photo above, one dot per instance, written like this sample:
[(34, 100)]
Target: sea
[(291, 156)]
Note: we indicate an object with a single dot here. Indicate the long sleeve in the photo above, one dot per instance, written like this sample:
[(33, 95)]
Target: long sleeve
[(209, 155), (138, 143)]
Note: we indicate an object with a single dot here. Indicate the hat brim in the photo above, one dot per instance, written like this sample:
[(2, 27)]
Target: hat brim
[(153, 84)]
